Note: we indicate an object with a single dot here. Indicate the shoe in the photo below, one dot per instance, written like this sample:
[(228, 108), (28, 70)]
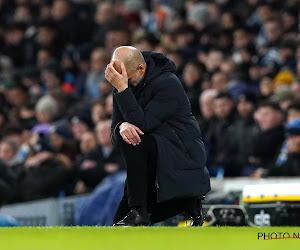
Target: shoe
[(133, 218), (196, 214)]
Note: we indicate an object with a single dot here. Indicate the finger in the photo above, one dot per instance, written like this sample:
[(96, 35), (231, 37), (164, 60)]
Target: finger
[(136, 136), (138, 130), (124, 72), (125, 139), (130, 137), (112, 69)]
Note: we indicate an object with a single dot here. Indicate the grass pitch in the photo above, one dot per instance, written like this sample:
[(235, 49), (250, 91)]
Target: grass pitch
[(144, 238)]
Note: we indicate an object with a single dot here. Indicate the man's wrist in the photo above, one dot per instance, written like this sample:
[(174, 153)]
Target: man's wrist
[(121, 89)]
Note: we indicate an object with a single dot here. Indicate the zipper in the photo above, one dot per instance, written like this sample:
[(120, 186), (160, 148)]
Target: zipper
[(181, 143)]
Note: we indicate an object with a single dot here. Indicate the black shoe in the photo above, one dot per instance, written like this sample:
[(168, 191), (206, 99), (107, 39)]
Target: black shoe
[(196, 214), (133, 218)]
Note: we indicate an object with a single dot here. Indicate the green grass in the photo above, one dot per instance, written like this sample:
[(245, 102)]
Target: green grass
[(144, 238)]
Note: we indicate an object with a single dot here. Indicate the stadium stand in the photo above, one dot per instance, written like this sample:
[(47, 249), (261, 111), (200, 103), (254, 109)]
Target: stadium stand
[(239, 62)]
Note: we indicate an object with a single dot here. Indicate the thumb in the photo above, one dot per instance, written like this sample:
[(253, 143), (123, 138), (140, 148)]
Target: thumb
[(124, 72)]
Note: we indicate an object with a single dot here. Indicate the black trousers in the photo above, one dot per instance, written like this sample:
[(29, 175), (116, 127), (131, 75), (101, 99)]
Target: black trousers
[(140, 184)]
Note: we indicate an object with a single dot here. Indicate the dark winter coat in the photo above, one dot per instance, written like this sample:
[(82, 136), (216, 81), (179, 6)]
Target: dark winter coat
[(160, 107), (43, 181), (93, 176), (8, 184)]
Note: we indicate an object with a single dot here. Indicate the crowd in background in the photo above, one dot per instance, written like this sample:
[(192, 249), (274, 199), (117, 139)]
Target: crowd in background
[(239, 62)]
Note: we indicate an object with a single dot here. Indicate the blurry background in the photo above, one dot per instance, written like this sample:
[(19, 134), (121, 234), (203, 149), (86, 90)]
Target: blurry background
[(239, 62)]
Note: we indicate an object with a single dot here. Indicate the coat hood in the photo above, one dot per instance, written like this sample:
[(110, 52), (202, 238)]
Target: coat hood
[(157, 64)]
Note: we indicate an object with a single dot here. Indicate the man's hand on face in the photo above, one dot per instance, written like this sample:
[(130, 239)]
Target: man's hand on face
[(130, 133), (118, 80)]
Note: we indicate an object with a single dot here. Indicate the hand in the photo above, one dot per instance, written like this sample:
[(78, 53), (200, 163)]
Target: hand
[(111, 168), (118, 80), (88, 164), (130, 133), (80, 188)]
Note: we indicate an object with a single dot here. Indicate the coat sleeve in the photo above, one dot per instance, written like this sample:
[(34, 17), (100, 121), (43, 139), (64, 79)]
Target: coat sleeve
[(164, 103)]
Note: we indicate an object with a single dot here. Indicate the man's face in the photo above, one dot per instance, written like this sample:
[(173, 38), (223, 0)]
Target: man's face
[(6, 151), (134, 78), (268, 118), (222, 107), (245, 108), (293, 114), (273, 31)]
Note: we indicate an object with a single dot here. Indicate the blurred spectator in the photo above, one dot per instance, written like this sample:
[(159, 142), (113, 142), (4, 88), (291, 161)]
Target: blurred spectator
[(268, 140), (99, 161), (46, 109), (98, 111), (99, 60), (8, 184), (291, 166), (192, 77), (61, 140), (8, 152), (239, 150), (220, 133)]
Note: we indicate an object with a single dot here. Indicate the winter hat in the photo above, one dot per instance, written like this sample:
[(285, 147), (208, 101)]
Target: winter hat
[(284, 93), (284, 77), (46, 104), (248, 97), (62, 129), (292, 128)]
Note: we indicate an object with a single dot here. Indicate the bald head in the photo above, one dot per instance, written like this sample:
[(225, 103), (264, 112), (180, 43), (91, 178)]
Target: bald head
[(130, 56)]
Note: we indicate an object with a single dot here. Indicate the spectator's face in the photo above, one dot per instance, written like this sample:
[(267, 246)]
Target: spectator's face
[(103, 133), (60, 9), (22, 14), (78, 129), (207, 107), (14, 36), (245, 108), (105, 88), (98, 61), (293, 114), (7, 152), (228, 67), (116, 39), (56, 141), (88, 141), (214, 60), (44, 117), (109, 105), (50, 79), (190, 74), (268, 118), (264, 12), (177, 59), (272, 31), (240, 39), (266, 87), (42, 57), (222, 107), (98, 113), (46, 36), (288, 21), (227, 21), (104, 13), (219, 82), (296, 90), (16, 97)]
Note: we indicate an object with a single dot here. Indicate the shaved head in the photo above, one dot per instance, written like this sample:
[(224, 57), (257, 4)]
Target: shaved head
[(130, 56)]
